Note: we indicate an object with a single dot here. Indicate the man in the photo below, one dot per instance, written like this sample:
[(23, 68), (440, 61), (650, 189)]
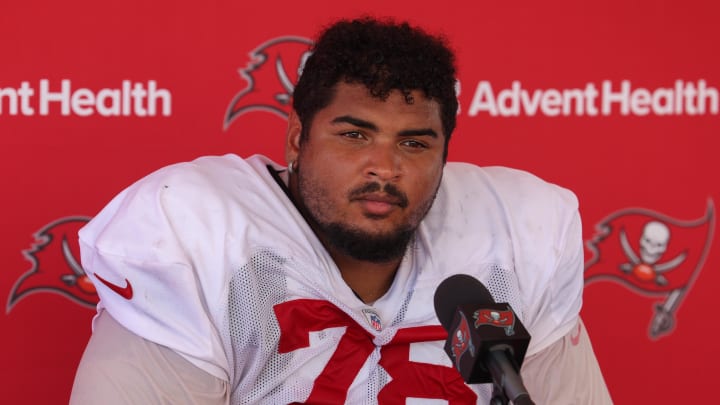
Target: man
[(237, 281)]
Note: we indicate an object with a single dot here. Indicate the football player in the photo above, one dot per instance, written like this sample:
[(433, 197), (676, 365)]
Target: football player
[(239, 281)]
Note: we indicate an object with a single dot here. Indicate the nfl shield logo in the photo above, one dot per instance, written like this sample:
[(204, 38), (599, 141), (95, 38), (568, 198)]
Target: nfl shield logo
[(373, 318)]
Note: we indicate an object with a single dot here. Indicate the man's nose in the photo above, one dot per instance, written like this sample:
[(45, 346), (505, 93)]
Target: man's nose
[(384, 162)]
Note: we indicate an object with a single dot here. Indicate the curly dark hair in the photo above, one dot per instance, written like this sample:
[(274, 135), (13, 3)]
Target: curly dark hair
[(383, 55)]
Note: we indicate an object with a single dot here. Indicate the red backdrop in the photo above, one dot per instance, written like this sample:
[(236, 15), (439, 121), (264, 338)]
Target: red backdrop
[(616, 100)]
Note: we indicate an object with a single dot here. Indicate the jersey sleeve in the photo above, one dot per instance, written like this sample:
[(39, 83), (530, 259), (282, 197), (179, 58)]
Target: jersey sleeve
[(559, 306), (556, 259), (154, 255), (544, 224)]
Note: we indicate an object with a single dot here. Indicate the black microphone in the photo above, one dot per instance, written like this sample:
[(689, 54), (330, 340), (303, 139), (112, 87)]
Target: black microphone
[(486, 341)]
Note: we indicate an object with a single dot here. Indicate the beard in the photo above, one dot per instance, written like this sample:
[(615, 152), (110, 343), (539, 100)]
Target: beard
[(365, 246), (355, 242)]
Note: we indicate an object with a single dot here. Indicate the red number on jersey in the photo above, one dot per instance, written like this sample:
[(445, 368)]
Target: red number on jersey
[(409, 379)]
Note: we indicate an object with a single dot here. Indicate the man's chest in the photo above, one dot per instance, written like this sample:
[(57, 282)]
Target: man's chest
[(321, 354)]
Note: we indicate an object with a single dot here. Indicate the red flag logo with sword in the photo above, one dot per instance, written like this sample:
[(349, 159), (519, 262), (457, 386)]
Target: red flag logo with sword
[(652, 254)]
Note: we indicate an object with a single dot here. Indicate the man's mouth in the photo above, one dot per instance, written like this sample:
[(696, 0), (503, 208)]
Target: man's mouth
[(378, 204), (379, 198)]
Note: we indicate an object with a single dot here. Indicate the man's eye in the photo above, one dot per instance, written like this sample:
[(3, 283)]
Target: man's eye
[(414, 144), (352, 134)]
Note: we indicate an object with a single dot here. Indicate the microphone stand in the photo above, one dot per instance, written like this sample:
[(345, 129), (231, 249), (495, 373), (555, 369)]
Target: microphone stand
[(498, 396), (506, 378)]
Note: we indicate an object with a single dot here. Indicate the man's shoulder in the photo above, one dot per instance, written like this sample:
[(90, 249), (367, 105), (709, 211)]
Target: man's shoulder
[(481, 213), (226, 172), (209, 184), (504, 184), (224, 193)]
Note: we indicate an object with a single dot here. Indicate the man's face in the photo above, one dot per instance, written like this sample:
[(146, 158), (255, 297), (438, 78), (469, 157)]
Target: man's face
[(368, 171)]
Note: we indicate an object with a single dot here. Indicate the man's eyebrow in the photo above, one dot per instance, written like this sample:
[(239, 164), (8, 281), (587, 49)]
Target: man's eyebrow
[(419, 132), (355, 121), (369, 125)]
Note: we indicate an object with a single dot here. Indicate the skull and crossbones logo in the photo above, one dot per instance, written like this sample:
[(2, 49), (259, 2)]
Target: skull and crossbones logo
[(653, 245), (495, 317)]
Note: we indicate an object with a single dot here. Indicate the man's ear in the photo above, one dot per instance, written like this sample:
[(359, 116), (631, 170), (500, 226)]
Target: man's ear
[(292, 143)]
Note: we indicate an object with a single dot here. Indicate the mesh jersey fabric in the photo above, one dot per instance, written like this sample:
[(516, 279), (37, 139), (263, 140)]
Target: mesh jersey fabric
[(225, 271)]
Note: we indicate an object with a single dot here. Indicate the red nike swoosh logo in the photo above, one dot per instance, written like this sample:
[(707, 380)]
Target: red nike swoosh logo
[(576, 339), (125, 292)]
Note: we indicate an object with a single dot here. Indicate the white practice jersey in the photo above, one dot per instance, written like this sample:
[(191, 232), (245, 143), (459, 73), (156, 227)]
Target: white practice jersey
[(211, 259)]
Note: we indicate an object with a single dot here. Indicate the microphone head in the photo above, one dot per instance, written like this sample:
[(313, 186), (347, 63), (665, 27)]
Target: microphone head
[(456, 290), (478, 327)]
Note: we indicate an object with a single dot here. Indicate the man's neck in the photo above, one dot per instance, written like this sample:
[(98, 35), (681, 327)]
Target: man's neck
[(369, 280)]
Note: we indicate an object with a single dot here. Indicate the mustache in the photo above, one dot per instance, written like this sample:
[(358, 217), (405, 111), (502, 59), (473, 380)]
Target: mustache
[(374, 187)]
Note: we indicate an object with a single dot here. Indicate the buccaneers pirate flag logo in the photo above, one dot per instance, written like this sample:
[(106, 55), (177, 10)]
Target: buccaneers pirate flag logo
[(56, 265), (271, 74), (653, 255), (462, 340), (500, 319)]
